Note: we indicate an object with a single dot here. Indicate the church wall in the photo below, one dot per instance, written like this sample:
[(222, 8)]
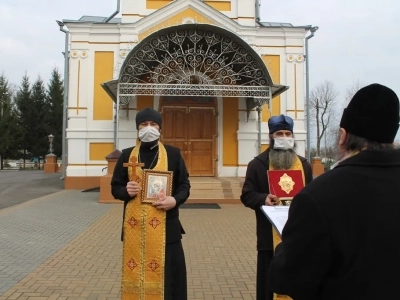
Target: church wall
[(101, 109), (245, 13), (90, 134), (276, 54), (156, 4), (273, 64), (241, 11), (176, 19), (295, 97), (247, 136), (229, 130), (127, 133), (220, 5), (103, 71), (99, 151), (227, 138), (90, 130), (126, 125), (77, 104), (132, 10), (289, 47)]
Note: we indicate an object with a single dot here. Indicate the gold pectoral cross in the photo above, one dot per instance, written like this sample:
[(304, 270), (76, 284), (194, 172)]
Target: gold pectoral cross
[(133, 163)]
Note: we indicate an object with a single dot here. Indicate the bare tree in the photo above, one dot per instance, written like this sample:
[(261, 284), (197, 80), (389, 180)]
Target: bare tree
[(323, 102), (351, 90)]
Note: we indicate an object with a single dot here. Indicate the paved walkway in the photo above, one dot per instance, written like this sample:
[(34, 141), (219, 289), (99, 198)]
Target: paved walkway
[(66, 246), (20, 186)]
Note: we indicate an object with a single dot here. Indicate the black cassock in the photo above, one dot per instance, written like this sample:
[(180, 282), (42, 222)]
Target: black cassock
[(255, 191), (175, 266), (341, 239)]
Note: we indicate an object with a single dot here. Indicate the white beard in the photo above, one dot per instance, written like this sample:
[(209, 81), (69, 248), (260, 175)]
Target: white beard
[(282, 159)]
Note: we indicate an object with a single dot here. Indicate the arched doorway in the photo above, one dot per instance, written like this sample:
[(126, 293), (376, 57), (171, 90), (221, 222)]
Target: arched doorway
[(193, 60), (190, 123)]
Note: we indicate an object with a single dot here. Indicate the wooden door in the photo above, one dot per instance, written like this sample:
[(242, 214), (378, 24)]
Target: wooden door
[(193, 131), (174, 129), (201, 137)]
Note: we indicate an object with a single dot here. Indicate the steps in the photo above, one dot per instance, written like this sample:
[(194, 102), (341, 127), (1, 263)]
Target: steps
[(221, 190)]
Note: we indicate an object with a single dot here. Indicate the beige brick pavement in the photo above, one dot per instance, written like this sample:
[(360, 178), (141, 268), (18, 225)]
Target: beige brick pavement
[(219, 248)]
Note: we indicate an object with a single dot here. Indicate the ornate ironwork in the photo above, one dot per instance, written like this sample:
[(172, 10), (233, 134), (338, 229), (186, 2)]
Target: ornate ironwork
[(125, 99), (194, 60), (180, 55), (127, 89)]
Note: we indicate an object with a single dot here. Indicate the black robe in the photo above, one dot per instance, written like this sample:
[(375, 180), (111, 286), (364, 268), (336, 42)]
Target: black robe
[(341, 240), (175, 267), (255, 191)]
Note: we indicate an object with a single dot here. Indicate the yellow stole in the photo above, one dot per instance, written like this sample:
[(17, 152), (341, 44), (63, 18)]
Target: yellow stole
[(143, 258), (297, 165)]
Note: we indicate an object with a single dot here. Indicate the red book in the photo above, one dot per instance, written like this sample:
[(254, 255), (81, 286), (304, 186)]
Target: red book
[(285, 183)]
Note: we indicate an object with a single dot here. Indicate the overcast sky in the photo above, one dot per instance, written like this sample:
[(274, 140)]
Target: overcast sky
[(356, 40)]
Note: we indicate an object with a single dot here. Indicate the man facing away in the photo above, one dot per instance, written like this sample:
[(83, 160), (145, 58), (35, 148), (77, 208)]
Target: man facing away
[(280, 155), (341, 239), (153, 259)]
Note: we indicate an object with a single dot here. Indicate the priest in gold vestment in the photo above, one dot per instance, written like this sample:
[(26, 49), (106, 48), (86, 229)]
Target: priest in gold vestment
[(153, 262), (280, 155)]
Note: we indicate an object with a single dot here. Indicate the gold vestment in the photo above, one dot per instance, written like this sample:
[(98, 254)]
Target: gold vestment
[(143, 260), (297, 165)]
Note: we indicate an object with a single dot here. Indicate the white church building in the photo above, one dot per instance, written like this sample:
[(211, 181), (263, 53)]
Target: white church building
[(212, 68)]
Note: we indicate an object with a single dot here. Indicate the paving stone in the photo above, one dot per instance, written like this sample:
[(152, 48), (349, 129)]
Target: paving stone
[(33, 231), (67, 246)]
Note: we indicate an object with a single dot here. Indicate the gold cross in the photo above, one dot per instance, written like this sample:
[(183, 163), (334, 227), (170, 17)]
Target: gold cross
[(133, 163)]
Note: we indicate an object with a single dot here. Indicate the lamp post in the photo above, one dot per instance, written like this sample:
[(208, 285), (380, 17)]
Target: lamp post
[(65, 101), (312, 30), (51, 138)]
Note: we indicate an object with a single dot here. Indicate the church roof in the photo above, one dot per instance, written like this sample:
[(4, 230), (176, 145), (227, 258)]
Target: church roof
[(99, 19), (94, 19), (281, 25)]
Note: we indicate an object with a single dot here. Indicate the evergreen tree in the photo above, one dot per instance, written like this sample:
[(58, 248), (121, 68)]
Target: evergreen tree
[(8, 123), (25, 115), (55, 96), (39, 124)]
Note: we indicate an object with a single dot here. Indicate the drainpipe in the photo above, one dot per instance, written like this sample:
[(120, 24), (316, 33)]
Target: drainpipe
[(117, 102), (65, 100), (115, 13), (258, 4), (312, 30), (115, 126), (117, 120), (259, 128)]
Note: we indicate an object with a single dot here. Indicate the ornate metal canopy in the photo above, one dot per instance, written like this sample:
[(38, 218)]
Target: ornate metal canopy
[(195, 60)]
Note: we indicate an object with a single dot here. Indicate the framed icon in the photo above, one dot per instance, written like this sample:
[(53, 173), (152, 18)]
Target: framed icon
[(155, 182)]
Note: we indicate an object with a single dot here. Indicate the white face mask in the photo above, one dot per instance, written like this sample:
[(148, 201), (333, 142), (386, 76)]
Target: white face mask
[(284, 143), (148, 134)]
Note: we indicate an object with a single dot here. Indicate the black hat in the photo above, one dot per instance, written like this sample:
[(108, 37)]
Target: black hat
[(148, 114), (373, 113), (281, 122)]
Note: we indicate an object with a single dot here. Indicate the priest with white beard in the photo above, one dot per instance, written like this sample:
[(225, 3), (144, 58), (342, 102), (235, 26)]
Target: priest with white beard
[(280, 155)]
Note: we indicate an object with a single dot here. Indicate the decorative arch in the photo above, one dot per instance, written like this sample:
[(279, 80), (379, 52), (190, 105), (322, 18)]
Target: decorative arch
[(195, 60)]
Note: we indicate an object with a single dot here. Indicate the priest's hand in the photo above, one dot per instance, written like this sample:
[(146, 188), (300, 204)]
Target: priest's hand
[(133, 188), (271, 200), (164, 202)]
